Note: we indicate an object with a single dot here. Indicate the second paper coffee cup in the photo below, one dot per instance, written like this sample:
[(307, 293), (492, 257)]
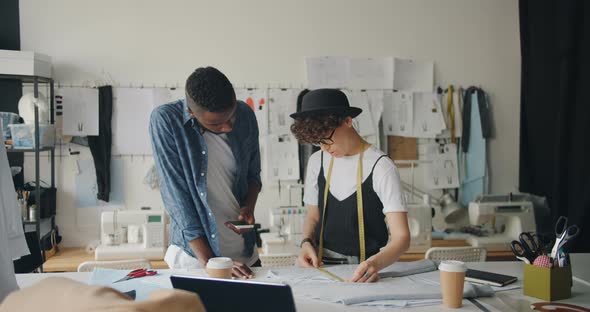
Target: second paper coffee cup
[(452, 278), (219, 267)]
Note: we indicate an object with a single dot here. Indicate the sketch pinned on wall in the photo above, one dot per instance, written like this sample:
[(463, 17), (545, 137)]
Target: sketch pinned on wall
[(131, 114), (86, 187), (257, 99), (79, 108), (370, 73), (442, 172), (282, 103), (282, 158), (327, 72), (363, 123), (398, 113), (412, 75), (428, 115), (375, 99)]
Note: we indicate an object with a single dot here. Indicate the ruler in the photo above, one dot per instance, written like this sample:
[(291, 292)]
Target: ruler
[(332, 275)]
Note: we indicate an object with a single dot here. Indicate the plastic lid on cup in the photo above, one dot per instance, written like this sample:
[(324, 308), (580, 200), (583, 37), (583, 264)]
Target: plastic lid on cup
[(220, 263), (452, 266)]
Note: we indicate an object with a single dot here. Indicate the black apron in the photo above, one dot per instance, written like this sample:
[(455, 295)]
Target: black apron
[(341, 232)]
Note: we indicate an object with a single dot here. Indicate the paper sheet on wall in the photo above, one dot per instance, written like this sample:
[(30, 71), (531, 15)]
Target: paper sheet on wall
[(412, 75), (442, 171), (327, 72), (375, 98), (131, 114), (80, 110), (282, 103), (363, 123), (398, 113), (457, 112), (166, 95), (371, 73), (282, 158), (257, 99), (428, 116), (86, 187)]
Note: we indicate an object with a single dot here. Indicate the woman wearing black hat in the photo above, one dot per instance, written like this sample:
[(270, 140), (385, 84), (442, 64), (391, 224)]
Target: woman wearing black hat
[(356, 212)]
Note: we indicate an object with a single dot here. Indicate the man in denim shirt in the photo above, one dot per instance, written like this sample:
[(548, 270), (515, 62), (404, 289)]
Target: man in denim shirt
[(208, 160)]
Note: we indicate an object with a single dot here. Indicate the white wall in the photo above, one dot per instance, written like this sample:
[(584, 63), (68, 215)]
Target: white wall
[(264, 42)]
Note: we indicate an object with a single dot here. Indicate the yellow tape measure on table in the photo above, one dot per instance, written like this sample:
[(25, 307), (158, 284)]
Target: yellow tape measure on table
[(332, 275)]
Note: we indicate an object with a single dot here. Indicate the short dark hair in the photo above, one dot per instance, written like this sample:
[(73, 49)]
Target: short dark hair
[(311, 129), (208, 88)]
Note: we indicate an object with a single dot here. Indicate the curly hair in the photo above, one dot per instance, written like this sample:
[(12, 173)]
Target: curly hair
[(311, 129), (208, 88)]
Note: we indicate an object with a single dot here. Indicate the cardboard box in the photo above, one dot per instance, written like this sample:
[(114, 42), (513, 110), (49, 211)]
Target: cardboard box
[(547, 284), (26, 63)]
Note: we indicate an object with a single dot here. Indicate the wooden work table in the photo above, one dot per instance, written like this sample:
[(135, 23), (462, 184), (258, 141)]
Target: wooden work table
[(491, 256), (68, 259)]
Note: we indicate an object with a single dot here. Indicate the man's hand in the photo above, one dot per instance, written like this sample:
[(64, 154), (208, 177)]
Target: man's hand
[(246, 215), (308, 258), (365, 272), (241, 271)]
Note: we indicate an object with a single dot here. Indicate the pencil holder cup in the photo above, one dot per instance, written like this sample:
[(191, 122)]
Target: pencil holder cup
[(549, 284)]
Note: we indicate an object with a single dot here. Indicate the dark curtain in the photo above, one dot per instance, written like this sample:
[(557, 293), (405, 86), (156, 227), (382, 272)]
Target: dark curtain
[(555, 111), (11, 90)]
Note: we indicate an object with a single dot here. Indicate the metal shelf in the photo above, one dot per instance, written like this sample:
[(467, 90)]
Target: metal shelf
[(36, 80), (26, 78), (27, 150)]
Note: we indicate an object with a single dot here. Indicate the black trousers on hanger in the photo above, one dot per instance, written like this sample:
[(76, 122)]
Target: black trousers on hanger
[(100, 146)]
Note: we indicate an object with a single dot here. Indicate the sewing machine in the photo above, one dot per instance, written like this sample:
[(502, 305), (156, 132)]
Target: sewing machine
[(132, 234), (504, 216)]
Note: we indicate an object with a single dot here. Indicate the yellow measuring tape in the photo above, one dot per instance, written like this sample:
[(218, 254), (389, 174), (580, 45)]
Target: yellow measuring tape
[(359, 204), (451, 111), (332, 275)]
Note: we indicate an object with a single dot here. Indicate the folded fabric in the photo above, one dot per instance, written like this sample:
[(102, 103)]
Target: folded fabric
[(393, 289), (397, 269)]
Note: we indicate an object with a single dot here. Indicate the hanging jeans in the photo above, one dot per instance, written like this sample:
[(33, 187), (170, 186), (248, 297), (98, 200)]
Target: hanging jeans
[(100, 145), (474, 177)]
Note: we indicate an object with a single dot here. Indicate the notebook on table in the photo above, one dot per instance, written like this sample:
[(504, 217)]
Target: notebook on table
[(489, 278)]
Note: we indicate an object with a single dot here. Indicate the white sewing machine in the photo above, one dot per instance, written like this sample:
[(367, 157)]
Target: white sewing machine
[(512, 213), (132, 234)]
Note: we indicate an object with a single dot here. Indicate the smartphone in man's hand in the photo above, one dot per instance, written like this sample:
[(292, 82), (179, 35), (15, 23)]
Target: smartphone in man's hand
[(239, 227)]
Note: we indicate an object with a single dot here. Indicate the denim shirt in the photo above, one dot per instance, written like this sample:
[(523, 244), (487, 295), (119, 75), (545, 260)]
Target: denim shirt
[(180, 154)]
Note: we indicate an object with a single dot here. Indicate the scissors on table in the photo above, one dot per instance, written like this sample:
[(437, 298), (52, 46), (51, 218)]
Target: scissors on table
[(526, 248), (563, 234), (136, 274)]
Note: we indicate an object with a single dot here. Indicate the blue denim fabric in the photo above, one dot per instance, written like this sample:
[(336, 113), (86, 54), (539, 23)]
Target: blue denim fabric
[(181, 155)]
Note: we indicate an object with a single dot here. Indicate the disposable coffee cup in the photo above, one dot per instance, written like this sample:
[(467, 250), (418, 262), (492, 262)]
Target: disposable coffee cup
[(219, 267), (452, 278)]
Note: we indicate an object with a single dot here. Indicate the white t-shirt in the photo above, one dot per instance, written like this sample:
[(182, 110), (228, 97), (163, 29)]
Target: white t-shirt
[(386, 181), (221, 171)]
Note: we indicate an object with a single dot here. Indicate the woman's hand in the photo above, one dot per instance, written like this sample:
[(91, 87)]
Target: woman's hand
[(308, 258), (365, 272)]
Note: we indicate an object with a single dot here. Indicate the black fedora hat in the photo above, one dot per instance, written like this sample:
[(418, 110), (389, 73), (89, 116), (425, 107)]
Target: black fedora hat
[(326, 101)]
